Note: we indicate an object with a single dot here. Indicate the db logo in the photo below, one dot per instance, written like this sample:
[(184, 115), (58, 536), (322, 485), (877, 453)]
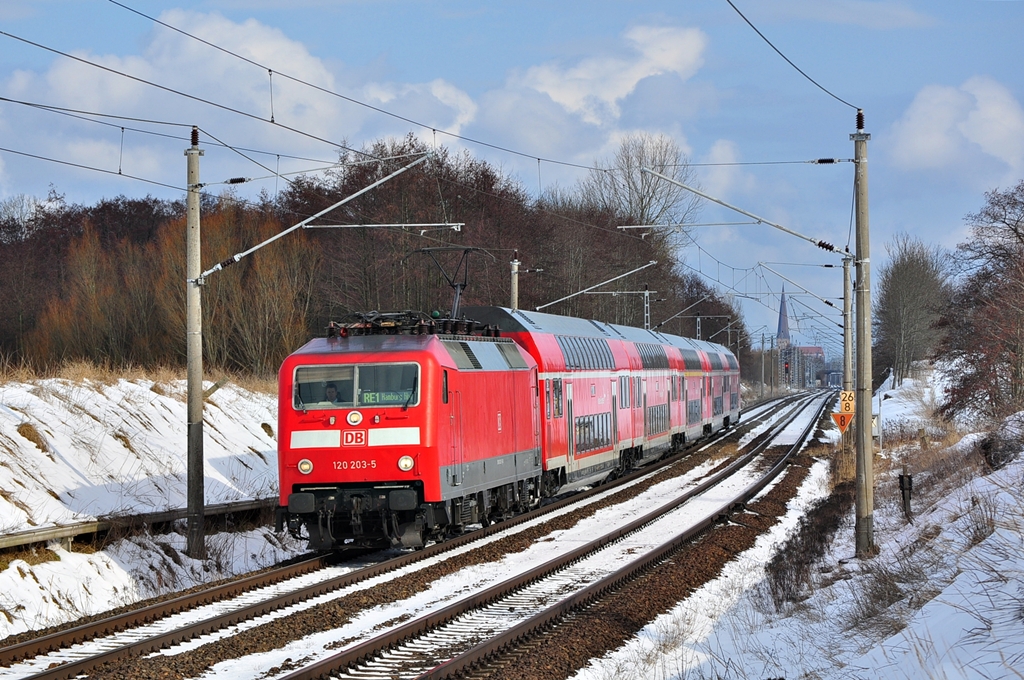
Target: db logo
[(353, 438)]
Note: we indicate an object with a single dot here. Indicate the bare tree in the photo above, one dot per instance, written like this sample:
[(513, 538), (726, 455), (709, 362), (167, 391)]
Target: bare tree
[(912, 291), (984, 322), (16, 217), (997, 230), (619, 184)]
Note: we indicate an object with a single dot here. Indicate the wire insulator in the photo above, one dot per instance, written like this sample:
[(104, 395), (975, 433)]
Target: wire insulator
[(860, 119), (195, 136), (826, 246), (237, 180), (826, 161)]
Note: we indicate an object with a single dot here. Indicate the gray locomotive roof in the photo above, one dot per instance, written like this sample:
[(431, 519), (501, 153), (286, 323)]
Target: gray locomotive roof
[(520, 321), (365, 343)]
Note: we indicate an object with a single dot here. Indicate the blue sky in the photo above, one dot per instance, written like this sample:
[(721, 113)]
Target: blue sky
[(940, 82)]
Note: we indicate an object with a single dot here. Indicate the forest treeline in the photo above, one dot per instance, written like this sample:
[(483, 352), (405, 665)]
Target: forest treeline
[(964, 307), (106, 282)]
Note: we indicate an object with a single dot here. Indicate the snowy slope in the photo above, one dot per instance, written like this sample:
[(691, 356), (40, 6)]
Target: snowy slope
[(77, 451), (72, 452), (943, 599)]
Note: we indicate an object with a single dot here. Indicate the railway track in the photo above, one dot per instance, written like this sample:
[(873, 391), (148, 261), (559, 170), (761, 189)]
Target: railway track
[(452, 641), (109, 642)]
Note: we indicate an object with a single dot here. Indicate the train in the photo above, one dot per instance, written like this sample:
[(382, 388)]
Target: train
[(398, 429)]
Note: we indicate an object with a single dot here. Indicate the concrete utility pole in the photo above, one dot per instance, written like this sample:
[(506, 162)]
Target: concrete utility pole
[(847, 327), (762, 365), (196, 547), (515, 280), (864, 446), (847, 341)]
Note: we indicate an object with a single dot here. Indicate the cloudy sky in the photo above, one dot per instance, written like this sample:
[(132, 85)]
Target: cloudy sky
[(940, 84)]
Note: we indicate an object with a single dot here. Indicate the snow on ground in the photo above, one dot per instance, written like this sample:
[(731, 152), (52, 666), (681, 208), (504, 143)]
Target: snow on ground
[(944, 598), (76, 451), (72, 452)]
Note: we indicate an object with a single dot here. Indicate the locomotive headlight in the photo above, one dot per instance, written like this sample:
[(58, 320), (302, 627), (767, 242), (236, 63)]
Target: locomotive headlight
[(405, 463), (305, 466)]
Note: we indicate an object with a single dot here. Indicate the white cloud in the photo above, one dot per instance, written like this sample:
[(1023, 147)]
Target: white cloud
[(946, 126), (180, 63), (594, 87), (996, 123), (718, 180), (438, 104)]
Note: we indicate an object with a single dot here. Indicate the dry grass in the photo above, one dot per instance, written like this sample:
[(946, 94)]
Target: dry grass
[(251, 383), (29, 432), (15, 371), (31, 556), (80, 371), (890, 593), (788, 573)]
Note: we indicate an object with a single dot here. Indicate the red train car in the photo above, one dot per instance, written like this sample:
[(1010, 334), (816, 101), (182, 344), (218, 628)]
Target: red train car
[(616, 396), (397, 429), (391, 434)]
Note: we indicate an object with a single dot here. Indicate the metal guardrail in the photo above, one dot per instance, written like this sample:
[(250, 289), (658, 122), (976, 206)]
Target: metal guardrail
[(70, 531)]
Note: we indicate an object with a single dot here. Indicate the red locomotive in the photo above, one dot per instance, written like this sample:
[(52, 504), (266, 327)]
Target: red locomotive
[(397, 429)]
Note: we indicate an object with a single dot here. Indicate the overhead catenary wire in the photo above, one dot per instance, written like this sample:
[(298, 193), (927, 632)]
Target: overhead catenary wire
[(249, 115), (345, 97), (238, 256), (274, 173), (432, 128), (90, 116), (90, 168), (788, 61), (255, 162), (180, 93)]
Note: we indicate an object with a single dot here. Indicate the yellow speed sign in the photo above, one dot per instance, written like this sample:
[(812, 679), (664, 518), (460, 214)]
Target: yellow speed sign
[(846, 402)]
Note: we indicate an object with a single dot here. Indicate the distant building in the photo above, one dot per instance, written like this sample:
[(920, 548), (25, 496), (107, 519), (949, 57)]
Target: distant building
[(799, 367)]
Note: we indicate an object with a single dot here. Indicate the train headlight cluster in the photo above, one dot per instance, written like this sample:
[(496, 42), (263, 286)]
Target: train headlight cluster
[(305, 466), (405, 463)]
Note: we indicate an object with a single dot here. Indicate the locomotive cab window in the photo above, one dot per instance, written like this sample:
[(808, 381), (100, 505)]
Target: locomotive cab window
[(355, 386)]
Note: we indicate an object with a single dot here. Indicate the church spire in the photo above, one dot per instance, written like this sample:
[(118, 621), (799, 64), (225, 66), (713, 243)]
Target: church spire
[(782, 336)]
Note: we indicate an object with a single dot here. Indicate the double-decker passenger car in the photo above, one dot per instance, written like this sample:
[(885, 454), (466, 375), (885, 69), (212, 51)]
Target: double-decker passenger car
[(617, 396), (399, 429)]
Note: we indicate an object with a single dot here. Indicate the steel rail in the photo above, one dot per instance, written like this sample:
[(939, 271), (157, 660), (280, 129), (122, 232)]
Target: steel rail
[(545, 620), (148, 614), (371, 648), (55, 641)]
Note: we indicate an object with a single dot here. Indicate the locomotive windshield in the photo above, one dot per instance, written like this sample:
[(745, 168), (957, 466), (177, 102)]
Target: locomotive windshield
[(356, 386)]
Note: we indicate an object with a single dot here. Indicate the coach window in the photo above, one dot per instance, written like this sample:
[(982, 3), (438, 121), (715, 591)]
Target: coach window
[(556, 389), (444, 388), (547, 398)]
